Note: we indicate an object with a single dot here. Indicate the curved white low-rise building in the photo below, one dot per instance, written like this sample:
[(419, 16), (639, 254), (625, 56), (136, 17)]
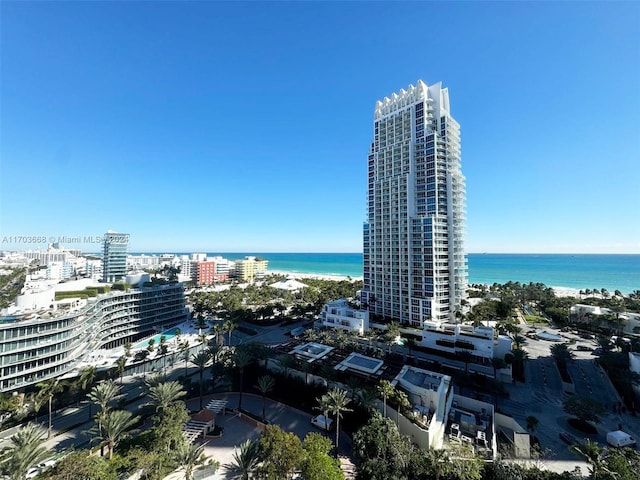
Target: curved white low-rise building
[(40, 345)]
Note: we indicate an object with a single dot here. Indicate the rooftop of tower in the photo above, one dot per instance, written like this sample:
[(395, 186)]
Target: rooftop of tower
[(414, 93)]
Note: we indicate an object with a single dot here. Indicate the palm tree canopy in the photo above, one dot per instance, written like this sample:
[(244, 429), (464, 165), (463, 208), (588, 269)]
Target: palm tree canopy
[(104, 392), (25, 450), (164, 394), (338, 401), (201, 359), (265, 384), (245, 460)]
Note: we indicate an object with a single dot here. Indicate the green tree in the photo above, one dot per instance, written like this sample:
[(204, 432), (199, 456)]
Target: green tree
[(245, 459), (115, 425), (167, 426), (241, 359), (532, 424), (338, 401), (81, 465), (191, 457), (185, 349), (324, 405), (47, 390), (585, 409), (594, 456), (120, 367), (200, 360), (25, 450), (382, 453), (282, 453), (402, 401), (165, 394), (265, 385), (87, 377), (127, 349), (385, 391), (317, 463)]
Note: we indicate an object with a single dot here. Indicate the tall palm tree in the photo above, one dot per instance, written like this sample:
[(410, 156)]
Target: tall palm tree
[(120, 367), (164, 394), (338, 401), (25, 450), (241, 358), (385, 390), (265, 384), (200, 360), (127, 349), (114, 427), (402, 400), (87, 377), (102, 394), (185, 349), (48, 389), (324, 405), (229, 326), (245, 460), (594, 456), (190, 457)]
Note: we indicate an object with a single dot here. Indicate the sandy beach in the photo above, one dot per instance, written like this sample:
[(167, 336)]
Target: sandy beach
[(299, 276)]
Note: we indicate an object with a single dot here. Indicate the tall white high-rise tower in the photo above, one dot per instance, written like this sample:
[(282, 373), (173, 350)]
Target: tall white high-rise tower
[(415, 266)]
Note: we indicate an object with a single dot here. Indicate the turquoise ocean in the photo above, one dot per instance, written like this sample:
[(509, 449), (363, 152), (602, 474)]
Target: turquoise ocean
[(613, 272)]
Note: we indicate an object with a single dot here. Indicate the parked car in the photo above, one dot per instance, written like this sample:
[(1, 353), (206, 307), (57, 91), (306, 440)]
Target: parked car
[(584, 348), (321, 422)]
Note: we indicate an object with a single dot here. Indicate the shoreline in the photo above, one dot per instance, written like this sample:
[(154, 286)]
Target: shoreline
[(318, 276), (560, 291)]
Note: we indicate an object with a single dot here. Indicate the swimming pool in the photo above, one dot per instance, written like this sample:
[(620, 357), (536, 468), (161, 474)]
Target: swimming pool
[(169, 334)]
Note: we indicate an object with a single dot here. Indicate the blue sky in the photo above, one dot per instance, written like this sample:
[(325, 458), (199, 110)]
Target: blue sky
[(204, 126)]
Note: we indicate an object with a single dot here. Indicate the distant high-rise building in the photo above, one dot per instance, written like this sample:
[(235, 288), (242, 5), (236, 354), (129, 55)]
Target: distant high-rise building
[(114, 256), (415, 267)]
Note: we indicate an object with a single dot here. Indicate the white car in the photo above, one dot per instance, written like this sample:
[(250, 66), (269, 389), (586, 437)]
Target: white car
[(321, 422)]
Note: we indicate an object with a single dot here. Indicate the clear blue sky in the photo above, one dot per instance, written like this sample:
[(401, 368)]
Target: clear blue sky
[(203, 126)]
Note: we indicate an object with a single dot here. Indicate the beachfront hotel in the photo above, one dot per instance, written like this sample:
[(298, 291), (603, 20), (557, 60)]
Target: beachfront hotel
[(415, 267)]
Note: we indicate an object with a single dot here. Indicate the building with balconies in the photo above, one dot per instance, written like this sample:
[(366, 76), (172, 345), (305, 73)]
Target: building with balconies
[(415, 266), (339, 314), (479, 341), (114, 256), (439, 417), (36, 345), (249, 269)]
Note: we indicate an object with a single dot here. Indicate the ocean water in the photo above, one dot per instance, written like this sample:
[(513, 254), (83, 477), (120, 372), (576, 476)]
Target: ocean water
[(613, 272)]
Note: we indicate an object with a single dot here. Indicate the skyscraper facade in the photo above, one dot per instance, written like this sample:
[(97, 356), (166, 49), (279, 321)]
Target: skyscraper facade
[(114, 256), (415, 266)]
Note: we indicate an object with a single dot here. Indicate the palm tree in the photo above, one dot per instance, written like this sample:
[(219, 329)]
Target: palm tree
[(200, 360), (402, 400), (286, 362), (185, 349), (25, 450), (245, 460), (102, 394), (48, 389), (241, 358), (120, 367), (114, 427), (165, 394), (265, 384), (229, 326), (324, 405), (190, 457), (127, 349), (87, 376), (497, 363), (593, 455), (385, 390), (217, 330), (338, 401)]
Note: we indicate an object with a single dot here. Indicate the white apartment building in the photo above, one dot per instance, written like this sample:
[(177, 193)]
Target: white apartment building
[(59, 270), (479, 341), (339, 314), (439, 417), (43, 338), (415, 266)]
